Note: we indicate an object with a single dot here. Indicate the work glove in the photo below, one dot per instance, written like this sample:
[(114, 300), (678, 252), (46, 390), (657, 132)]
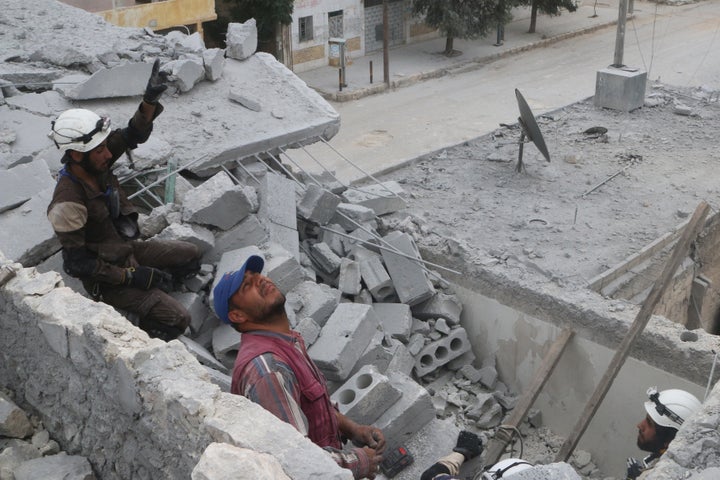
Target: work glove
[(468, 444), (156, 84), (634, 468), (146, 278)]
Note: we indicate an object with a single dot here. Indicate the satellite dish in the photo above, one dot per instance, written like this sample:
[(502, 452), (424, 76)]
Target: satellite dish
[(528, 128)]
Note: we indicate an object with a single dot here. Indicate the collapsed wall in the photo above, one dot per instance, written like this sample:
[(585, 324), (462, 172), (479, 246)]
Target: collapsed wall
[(136, 407)]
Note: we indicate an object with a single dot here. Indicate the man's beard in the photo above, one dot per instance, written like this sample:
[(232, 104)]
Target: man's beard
[(277, 308), (88, 166), (652, 446)]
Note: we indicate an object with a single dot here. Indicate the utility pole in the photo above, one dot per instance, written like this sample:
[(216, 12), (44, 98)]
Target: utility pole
[(620, 36), (386, 44)]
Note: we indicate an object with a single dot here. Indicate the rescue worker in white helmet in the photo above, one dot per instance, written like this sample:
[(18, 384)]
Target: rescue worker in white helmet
[(97, 224), (506, 468), (665, 413)]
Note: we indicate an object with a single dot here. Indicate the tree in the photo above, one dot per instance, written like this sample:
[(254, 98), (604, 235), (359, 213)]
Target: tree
[(467, 19), (549, 7)]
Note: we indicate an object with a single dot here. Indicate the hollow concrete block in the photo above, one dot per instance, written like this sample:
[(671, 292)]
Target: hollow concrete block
[(343, 339), (409, 277), (317, 204), (313, 300), (349, 277), (396, 319), (409, 414), (373, 274), (325, 258), (219, 202), (382, 198), (350, 216), (439, 305), (436, 354), (366, 395)]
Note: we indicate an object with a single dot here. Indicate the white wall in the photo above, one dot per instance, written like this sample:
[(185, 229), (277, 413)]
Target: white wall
[(519, 341)]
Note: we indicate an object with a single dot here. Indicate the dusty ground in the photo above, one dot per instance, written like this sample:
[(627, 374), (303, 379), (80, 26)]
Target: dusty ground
[(550, 219)]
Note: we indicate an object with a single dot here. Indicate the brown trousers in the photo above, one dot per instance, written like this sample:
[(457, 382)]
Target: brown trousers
[(160, 314)]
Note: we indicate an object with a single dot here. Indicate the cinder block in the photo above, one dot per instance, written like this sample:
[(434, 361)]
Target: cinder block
[(343, 339), (282, 268), (439, 306), (277, 211), (226, 342), (364, 297), (366, 395), (335, 241), (382, 198), (313, 300), (438, 353), (373, 274), (246, 233), (395, 319), (219, 202), (409, 277), (349, 278), (362, 236), (318, 205), (195, 234), (620, 88), (400, 358), (323, 256), (408, 415), (350, 216)]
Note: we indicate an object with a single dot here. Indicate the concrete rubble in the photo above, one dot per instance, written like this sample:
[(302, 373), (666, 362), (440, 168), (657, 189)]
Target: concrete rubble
[(383, 329)]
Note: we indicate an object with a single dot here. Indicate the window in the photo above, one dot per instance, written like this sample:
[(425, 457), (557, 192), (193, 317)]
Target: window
[(335, 21), (305, 29)]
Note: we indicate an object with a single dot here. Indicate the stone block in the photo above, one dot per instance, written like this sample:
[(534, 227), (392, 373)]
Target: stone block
[(373, 274), (246, 233), (438, 353), (383, 198), (366, 395), (219, 202), (349, 277), (317, 204), (439, 306), (55, 466), (214, 62), (277, 211), (186, 72), (620, 89), (241, 39), (14, 423), (153, 153), (222, 461), (409, 414), (395, 319), (183, 42), (409, 277), (343, 339)]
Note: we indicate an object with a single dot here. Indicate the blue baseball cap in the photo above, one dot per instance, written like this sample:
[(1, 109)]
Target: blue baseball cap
[(229, 284)]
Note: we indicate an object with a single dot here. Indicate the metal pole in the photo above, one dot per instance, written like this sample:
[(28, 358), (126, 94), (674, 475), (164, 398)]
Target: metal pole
[(340, 85), (386, 44), (371, 73), (620, 37)]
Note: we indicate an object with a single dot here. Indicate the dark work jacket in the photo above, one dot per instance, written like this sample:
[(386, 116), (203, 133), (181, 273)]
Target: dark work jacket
[(93, 250), (323, 427)]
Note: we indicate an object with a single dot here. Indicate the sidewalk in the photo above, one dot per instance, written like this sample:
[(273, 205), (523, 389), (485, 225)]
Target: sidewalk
[(422, 60)]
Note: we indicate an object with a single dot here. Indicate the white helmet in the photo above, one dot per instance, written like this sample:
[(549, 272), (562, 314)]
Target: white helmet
[(670, 408), (506, 468), (79, 129)]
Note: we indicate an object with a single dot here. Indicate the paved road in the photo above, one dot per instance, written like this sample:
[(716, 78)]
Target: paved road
[(679, 45)]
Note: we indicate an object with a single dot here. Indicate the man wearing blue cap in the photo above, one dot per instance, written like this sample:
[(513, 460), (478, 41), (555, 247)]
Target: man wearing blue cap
[(273, 369)]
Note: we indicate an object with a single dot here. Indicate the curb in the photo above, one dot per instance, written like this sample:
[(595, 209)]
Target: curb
[(461, 67)]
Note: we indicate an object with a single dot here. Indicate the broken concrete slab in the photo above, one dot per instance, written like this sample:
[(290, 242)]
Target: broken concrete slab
[(195, 234), (214, 62), (127, 80), (20, 183), (282, 268), (383, 197), (313, 300), (26, 235), (43, 103), (186, 73), (154, 152), (246, 233), (440, 305), (395, 319), (29, 136), (317, 204)]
